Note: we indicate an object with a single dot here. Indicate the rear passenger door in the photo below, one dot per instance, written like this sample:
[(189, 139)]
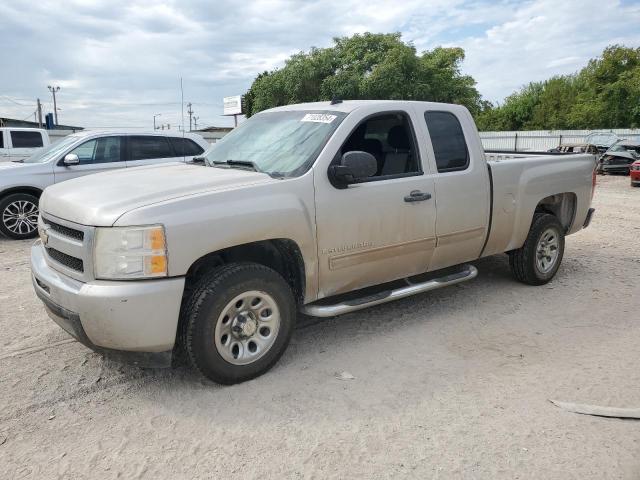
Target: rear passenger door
[(461, 185), (95, 155), (149, 150)]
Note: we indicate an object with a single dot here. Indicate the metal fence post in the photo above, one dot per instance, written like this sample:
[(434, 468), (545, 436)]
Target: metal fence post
[(560, 139)]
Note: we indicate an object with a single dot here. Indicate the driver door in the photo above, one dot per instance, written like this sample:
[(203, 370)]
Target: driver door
[(373, 232), (96, 155)]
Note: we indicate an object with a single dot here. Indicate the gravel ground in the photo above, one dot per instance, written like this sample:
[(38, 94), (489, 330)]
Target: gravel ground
[(450, 384)]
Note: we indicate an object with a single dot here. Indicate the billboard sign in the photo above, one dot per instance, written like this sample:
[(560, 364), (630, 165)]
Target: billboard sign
[(232, 105)]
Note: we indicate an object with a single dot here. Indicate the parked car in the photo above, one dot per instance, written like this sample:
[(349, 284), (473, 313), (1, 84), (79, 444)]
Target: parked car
[(619, 158), (575, 148), (602, 140), (21, 143), (635, 173), (22, 181), (324, 207)]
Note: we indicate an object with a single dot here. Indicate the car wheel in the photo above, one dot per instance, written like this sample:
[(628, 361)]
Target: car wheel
[(19, 216), (238, 322), (537, 262)]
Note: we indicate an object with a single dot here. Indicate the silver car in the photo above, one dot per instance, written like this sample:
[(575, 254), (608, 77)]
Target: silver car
[(22, 182)]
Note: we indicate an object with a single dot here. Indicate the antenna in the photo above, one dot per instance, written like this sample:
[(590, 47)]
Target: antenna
[(335, 100)]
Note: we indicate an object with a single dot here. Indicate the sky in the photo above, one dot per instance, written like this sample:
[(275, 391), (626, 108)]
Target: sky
[(119, 63)]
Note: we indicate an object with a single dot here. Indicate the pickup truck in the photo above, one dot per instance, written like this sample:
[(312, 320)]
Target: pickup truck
[(324, 208), (20, 143)]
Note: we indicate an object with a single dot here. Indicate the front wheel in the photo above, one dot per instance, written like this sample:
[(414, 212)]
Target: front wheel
[(19, 216), (238, 322), (538, 260)]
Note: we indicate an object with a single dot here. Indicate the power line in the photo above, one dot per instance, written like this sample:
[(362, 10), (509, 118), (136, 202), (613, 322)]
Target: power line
[(14, 101)]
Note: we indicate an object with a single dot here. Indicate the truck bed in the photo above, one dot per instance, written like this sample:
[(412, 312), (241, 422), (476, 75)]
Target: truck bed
[(520, 179)]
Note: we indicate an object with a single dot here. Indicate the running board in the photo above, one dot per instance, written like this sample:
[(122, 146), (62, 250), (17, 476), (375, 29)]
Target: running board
[(468, 272)]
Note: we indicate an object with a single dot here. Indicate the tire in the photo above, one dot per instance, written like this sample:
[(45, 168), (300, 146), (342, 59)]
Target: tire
[(267, 325), (529, 264), (19, 216)]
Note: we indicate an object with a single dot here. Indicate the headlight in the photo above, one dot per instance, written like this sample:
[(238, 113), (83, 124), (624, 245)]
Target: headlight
[(122, 253)]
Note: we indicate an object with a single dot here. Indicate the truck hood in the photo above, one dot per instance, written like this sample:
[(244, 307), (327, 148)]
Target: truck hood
[(100, 199)]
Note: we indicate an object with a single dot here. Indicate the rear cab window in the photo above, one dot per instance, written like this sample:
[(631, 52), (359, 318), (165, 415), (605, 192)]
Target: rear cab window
[(447, 138), (22, 139)]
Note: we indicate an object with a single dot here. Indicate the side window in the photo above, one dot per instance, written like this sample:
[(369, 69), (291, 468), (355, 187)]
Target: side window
[(99, 150), (85, 152), (185, 147), (449, 146), (389, 138), (1, 139), (147, 148), (26, 139)]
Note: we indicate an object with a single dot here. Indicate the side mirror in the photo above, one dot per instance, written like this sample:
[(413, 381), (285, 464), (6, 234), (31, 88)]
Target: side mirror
[(354, 167), (71, 159)]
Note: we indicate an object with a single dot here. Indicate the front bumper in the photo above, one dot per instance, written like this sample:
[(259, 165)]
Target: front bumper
[(135, 321), (615, 168)]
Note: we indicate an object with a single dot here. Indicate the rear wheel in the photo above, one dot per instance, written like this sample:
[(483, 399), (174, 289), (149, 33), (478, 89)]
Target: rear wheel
[(537, 262), (238, 322), (19, 216)]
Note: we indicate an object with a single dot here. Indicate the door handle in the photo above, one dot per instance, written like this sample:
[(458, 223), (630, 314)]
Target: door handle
[(417, 196)]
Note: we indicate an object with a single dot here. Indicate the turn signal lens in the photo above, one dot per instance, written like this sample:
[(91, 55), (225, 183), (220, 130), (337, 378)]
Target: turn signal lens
[(156, 264)]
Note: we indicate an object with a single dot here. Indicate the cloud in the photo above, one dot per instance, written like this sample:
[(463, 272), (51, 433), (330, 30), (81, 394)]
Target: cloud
[(119, 62)]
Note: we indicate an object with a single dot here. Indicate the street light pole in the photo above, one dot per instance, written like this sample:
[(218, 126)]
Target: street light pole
[(53, 91), (154, 121), (190, 112)]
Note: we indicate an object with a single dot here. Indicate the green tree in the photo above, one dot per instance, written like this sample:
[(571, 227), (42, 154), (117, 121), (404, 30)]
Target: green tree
[(367, 66), (604, 94)]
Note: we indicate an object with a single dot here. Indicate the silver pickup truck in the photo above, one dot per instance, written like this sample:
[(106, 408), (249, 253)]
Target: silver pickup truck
[(324, 208)]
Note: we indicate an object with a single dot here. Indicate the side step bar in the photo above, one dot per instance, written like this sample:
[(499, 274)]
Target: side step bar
[(468, 272)]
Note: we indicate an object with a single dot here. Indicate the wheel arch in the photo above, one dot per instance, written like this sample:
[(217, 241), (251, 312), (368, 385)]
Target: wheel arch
[(280, 254), (562, 206), (37, 192)]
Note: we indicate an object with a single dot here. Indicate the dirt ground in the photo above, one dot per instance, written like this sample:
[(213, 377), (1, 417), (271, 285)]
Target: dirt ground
[(450, 384)]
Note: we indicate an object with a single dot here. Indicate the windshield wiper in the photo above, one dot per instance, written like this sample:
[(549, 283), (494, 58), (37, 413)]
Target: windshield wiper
[(238, 163), (18, 161)]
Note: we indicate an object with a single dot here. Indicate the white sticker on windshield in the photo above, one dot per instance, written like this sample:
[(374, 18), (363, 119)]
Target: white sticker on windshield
[(318, 117)]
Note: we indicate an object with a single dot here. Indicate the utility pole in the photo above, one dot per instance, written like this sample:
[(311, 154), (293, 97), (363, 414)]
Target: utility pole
[(39, 114), (195, 122), (53, 91), (190, 112), (154, 121)]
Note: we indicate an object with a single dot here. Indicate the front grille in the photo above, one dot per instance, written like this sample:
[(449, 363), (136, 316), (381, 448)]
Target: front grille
[(67, 260), (66, 231)]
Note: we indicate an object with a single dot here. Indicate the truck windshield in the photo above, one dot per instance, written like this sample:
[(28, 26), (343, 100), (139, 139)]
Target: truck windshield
[(283, 144), (47, 153)]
